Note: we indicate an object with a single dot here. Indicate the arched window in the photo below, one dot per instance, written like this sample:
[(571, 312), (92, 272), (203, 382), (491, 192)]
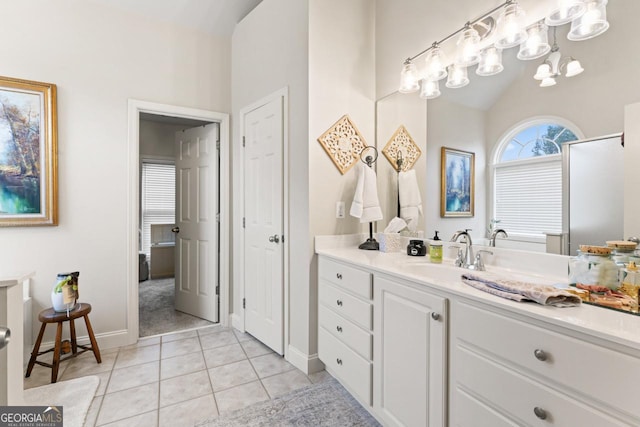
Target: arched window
[(527, 165)]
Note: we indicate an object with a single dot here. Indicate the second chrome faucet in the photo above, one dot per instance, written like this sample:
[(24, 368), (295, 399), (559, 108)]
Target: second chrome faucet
[(466, 259)]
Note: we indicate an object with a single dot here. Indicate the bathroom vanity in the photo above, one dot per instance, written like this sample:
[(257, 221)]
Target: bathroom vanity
[(417, 347)]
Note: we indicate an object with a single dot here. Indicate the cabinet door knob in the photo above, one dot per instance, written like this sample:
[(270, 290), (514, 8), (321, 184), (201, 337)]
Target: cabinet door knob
[(339, 276), (540, 413), (435, 316), (540, 354), (339, 328), (339, 302), (339, 361)]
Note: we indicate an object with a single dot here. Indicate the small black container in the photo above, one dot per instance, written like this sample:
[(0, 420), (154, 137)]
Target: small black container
[(416, 248)]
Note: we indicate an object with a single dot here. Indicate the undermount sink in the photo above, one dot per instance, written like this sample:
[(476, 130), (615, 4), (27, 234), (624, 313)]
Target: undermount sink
[(425, 269)]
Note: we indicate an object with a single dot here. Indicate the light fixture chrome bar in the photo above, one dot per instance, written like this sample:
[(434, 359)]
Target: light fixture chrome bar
[(468, 24)]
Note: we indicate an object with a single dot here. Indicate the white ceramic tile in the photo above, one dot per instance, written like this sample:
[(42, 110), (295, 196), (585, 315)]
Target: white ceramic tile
[(218, 339), (211, 329), (180, 347), (231, 375), (240, 396), (181, 365), (189, 413), (137, 356), (179, 336), (127, 403), (243, 336), (320, 377), (279, 384), (270, 364), (41, 375), (81, 367), (92, 415), (223, 355), (143, 342), (104, 381), (255, 348), (184, 387), (134, 376), (148, 419)]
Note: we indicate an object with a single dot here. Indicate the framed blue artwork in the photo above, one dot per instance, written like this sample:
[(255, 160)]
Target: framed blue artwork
[(458, 176)]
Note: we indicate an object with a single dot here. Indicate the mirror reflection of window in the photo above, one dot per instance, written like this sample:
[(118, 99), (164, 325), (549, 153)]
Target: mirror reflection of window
[(528, 178)]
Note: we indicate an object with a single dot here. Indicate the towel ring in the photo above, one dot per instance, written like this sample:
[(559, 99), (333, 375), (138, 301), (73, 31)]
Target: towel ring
[(368, 160)]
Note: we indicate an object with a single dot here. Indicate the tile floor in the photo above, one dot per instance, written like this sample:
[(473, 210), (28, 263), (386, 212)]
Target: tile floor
[(180, 379)]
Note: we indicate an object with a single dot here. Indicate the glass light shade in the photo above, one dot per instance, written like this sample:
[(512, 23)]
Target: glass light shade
[(490, 62), (549, 81), (457, 77), (409, 81), (537, 42), (593, 21), (574, 68), (468, 52), (543, 72), (567, 11), (511, 31), (436, 64), (430, 89)]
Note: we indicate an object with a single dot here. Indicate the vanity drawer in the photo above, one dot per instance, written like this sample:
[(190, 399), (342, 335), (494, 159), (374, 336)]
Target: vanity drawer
[(352, 370), (352, 279), (347, 305), (347, 332), (558, 358), (525, 401)]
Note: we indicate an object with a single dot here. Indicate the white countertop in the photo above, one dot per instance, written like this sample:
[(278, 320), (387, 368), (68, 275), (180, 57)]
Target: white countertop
[(621, 328)]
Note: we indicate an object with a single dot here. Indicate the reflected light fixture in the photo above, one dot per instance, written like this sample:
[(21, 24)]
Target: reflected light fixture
[(490, 62), (567, 11), (436, 63), (591, 23), (468, 52), (457, 77), (409, 77), (430, 89), (555, 65), (537, 42), (511, 31)]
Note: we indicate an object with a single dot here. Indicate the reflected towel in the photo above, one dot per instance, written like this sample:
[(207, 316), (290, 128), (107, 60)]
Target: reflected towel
[(365, 200), (410, 201), (522, 291)]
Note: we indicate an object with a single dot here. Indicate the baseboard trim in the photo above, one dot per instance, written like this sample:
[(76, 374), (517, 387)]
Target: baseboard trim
[(308, 364), (237, 322), (107, 340)]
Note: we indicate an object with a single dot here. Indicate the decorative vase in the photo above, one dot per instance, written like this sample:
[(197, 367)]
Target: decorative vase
[(58, 302), (57, 296)]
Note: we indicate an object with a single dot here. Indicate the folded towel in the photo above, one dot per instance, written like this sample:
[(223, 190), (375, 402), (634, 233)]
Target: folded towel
[(410, 202), (523, 291), (365, 200)]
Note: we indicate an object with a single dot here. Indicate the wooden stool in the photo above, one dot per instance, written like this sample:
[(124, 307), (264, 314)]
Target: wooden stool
[(51, 316)]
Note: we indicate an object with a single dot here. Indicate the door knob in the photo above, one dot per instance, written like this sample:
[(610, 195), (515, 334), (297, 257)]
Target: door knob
[(275, 238), (5, 336), (175, 229)]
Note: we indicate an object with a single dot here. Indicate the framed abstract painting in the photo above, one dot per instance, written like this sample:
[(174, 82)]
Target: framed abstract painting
[(457, 180), (28, 153)]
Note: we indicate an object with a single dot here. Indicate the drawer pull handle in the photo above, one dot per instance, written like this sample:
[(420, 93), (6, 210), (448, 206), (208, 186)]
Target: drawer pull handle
[(339, 276), (339, 302), (540, 413), (339, 328), (435, 316), (339, 361), (540, 355)]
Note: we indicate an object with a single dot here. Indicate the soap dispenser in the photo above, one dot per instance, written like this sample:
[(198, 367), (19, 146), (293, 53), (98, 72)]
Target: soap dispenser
[(435, 249)]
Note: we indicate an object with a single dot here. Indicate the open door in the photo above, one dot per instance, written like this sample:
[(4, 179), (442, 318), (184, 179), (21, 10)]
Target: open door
[(196, 276)]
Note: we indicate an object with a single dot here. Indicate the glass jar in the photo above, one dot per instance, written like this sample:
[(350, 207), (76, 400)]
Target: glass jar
[(591, 269)]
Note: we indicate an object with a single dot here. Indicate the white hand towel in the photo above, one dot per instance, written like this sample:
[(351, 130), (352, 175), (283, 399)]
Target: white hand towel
[(365, 200), (410, 201)]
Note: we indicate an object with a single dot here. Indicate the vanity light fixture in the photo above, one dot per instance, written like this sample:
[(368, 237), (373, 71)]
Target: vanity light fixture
[(555, 65), (567, 11), (537, 42), (490, 62), (511, 30), (436, 63), (591, 23), (468, 52), (430, 89), (457, 76), (409, 77)]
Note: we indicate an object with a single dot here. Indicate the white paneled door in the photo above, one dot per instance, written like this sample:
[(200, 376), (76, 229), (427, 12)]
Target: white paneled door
[(196, 252), (263, 216)]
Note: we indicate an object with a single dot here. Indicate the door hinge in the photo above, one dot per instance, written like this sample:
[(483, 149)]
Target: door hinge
[(244, 141), (217, 289), (244, 222), (282, 238), (217, 145), (218, 217), (244, 303)]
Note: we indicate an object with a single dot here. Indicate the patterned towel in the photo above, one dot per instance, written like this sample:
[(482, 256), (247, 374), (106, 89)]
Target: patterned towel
[(523, 291)]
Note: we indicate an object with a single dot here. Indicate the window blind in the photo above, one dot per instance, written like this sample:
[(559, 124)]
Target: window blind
[(158, 199), (528, 197)]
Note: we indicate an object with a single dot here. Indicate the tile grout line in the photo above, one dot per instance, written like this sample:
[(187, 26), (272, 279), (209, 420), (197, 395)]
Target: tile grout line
[(254, 369), (213, 393)]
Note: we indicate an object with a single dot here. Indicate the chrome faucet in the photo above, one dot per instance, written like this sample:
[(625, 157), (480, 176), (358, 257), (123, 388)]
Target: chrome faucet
[(494, 234), (468, 252)]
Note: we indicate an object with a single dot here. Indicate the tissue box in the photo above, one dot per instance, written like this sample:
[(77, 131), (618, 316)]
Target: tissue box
[(391, 242)]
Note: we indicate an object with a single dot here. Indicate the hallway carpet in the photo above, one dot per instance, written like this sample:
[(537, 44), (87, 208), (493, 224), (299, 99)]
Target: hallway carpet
[(156, 309)]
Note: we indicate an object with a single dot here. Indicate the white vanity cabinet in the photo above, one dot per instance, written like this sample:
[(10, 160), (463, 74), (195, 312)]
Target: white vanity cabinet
[(510, 370), (345, 318), (410, 342)]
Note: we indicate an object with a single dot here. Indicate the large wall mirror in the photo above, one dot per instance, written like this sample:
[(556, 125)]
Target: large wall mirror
[(478, 116)]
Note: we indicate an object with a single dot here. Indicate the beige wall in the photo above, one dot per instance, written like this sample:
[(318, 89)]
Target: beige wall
[(99, 57)]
